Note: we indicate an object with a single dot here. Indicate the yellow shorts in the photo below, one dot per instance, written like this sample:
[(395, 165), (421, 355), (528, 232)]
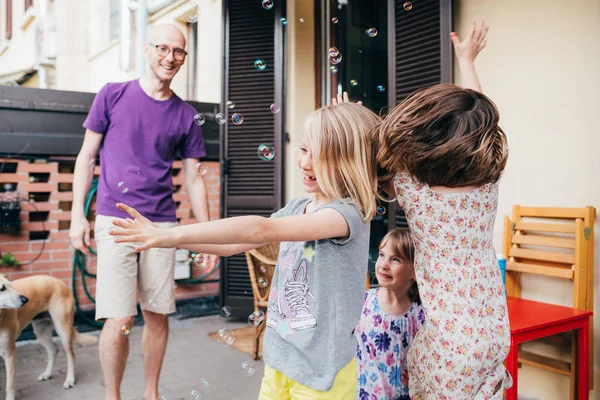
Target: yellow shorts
[(122, 272), (277, 386)]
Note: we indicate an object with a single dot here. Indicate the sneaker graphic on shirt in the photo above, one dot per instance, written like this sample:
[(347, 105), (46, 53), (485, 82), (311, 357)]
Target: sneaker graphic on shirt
[(293, 303)]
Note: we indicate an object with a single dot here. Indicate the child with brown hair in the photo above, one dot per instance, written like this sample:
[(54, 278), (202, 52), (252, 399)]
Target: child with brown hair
[(442, 154), (392, 315)]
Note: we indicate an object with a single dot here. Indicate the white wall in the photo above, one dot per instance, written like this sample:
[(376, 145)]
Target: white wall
[(300, 90), (542, 68)]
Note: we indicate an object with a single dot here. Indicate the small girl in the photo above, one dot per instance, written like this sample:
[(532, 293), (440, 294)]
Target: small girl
[(392, 315), (316, 295), (443, 154)]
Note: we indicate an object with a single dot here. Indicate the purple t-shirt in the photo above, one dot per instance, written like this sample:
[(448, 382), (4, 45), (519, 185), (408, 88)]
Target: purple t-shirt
[(141, 139)]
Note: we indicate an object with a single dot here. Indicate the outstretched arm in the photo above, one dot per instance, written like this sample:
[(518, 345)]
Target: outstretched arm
[(247, 230), (466, 52)]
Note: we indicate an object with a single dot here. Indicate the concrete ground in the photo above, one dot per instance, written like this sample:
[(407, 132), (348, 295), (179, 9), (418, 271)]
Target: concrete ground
[(192, 360)]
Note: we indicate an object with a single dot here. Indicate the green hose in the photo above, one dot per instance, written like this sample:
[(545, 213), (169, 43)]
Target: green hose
[(79, 265)]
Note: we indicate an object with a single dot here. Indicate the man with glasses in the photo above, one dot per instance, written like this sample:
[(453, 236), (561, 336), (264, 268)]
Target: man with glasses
[(138, 127)]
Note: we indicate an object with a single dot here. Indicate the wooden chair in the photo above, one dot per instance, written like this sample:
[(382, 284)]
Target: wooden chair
[(261, 266), (555, 242)]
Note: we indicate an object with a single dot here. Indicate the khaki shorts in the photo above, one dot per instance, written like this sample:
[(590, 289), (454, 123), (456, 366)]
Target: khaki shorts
[(122, 271)]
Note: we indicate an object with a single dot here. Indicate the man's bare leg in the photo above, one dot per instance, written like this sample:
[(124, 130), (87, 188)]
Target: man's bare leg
[(114, 349), (154, 345)]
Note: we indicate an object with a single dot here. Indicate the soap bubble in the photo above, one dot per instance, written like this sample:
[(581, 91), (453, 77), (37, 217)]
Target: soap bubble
[(260, 64), (283, 21), (230, 104), (199, 119), (335, 20), (237, 119), (125, 330), (381, 210), (262, 282), (335, 57), (353, 82), (301, 20), (248, 368), (274, 108), (407, 5), (266, 152), (226, 311), (267, 4), (380, 88), (333, 69), (205, 382), (372, 32), (198, 259), (123, 187), (226, 336), (196, 394), (201, 169), (220, 119), (152, 303), (256, 318)]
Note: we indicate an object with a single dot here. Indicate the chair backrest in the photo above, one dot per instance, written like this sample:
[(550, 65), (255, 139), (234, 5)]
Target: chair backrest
[(261, 266), (555, 242)]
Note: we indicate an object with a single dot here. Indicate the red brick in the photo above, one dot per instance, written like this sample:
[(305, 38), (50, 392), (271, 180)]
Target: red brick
[(41, 206), (13, 247), (62, 274), (17, 275), (28, 256), (13, 178), (38, 167), (39, 227), (38, 187), (59, 235), (9, 238), (62, 255), (50, 245), (42, 266)]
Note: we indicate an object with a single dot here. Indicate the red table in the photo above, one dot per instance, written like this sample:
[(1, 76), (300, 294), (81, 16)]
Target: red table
[(530, 320)]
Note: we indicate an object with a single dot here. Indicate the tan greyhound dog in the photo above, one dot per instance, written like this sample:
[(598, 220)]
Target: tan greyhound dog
[(22, 300)]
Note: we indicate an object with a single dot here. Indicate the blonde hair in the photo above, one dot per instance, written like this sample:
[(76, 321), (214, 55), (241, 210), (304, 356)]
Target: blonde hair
[(343, 148)]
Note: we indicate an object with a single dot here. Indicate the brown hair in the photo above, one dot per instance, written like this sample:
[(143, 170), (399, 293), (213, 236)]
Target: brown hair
[(402, 246), (443, 136), (343, 147)]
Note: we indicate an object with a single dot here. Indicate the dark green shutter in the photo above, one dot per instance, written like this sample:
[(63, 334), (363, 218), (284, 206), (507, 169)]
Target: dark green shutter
[(420, 56), (250, 185)]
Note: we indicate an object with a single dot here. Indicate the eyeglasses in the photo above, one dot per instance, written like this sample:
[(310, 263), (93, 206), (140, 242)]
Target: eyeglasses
[(163, 51)]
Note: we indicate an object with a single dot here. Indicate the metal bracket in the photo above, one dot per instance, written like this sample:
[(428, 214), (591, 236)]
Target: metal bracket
[(587, 232)]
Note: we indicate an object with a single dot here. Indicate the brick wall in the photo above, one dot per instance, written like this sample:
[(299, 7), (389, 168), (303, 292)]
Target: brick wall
[(45, 188)]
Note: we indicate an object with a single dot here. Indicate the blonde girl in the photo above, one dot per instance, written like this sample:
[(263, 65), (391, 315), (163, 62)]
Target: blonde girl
[(317, 290)]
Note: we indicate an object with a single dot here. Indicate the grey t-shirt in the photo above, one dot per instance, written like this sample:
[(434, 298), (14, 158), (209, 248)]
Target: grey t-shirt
[(315, 301)]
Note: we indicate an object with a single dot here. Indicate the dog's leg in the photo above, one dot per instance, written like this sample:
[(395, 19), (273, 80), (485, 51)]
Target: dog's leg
[(43, 330), (65, 332), (10, 363)]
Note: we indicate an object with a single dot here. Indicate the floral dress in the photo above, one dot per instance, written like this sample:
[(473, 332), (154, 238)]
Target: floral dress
[(383, 342), (460, 350)]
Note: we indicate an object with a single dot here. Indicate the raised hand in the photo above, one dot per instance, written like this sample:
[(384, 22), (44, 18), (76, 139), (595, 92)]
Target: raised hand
[(141, 230), (471, 46), (343, 99)]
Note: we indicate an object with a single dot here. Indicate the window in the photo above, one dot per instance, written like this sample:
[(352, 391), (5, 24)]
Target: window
[(8, 26), (28, 3), (358, 29)]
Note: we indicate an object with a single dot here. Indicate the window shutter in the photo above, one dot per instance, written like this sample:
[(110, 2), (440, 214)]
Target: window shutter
[(9, 19), (422, 56), (250, 185)]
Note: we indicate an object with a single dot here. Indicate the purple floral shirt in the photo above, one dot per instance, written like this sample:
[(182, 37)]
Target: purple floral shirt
[(383, 341)]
